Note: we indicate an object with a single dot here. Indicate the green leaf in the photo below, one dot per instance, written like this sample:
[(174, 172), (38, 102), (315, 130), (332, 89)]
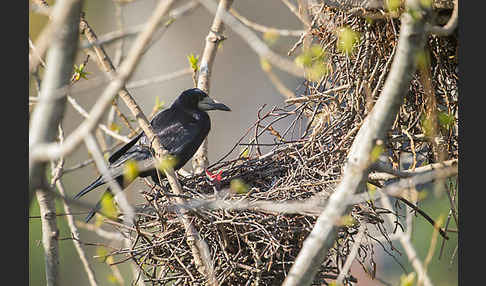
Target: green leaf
[(393, 5), (422, 59), (80, 72), (169, 21), (108, 207), (265, 64), (159, 104), (271, 37), (115, 127), (427, 125), (314, 61), (310, 56), (112, 279), (102, 253), (371, 190), (446, 120), (239, 186), (193, 61), (246, 153), (407, 280), (426, 3), (347, 38), (347, 220), (317, 53), (168, 162), (317, 71), (377, 150), (130, 171), (303, 60)]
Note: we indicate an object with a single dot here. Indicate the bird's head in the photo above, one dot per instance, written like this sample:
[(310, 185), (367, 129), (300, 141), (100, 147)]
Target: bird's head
[(195, 98)]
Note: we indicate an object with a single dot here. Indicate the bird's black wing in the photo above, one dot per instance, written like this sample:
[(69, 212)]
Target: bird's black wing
[(115, 156), (180, 132)]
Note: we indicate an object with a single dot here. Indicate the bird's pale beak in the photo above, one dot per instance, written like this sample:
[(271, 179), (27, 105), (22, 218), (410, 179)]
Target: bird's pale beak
[(210, 104)]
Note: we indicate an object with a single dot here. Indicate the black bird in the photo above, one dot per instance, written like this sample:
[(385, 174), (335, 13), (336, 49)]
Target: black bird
[(180, 129)]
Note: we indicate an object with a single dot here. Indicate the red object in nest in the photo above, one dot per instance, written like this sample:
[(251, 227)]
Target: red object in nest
[(214, 177)]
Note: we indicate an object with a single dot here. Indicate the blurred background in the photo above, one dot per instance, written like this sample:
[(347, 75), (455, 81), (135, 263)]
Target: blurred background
[(238, 81)]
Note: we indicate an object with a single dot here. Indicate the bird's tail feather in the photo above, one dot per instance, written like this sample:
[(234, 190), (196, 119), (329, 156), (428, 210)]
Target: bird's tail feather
[(96, 183), (92, 212)]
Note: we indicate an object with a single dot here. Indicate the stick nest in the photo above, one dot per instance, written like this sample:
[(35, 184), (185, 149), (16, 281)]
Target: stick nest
[(295, 153)]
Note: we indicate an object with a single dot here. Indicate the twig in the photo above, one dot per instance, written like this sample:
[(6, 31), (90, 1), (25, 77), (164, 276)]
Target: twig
[(317, 96), (352, 255), (404, 239), (75, 233), (112, 236), (296, 12), (279, 85), (396, 189), (265, 29), (158, 79)]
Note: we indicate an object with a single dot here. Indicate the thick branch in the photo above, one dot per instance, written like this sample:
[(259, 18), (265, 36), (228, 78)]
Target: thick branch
[(317, 244), (50, 107), (451, 25), (61, 15), (50, 234), (45, 119)]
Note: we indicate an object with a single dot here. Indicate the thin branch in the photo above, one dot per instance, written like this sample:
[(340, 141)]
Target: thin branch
[(159, 79), (109, 235), (408, 173), (200, 159), (404, 239), (75, 233), (57, 172), (103, 127), (294, 10), (279, 85), (95, 151), (396, 189), (113, 36), (317, 96), (352, 254), (255, 42), (265, 29)]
